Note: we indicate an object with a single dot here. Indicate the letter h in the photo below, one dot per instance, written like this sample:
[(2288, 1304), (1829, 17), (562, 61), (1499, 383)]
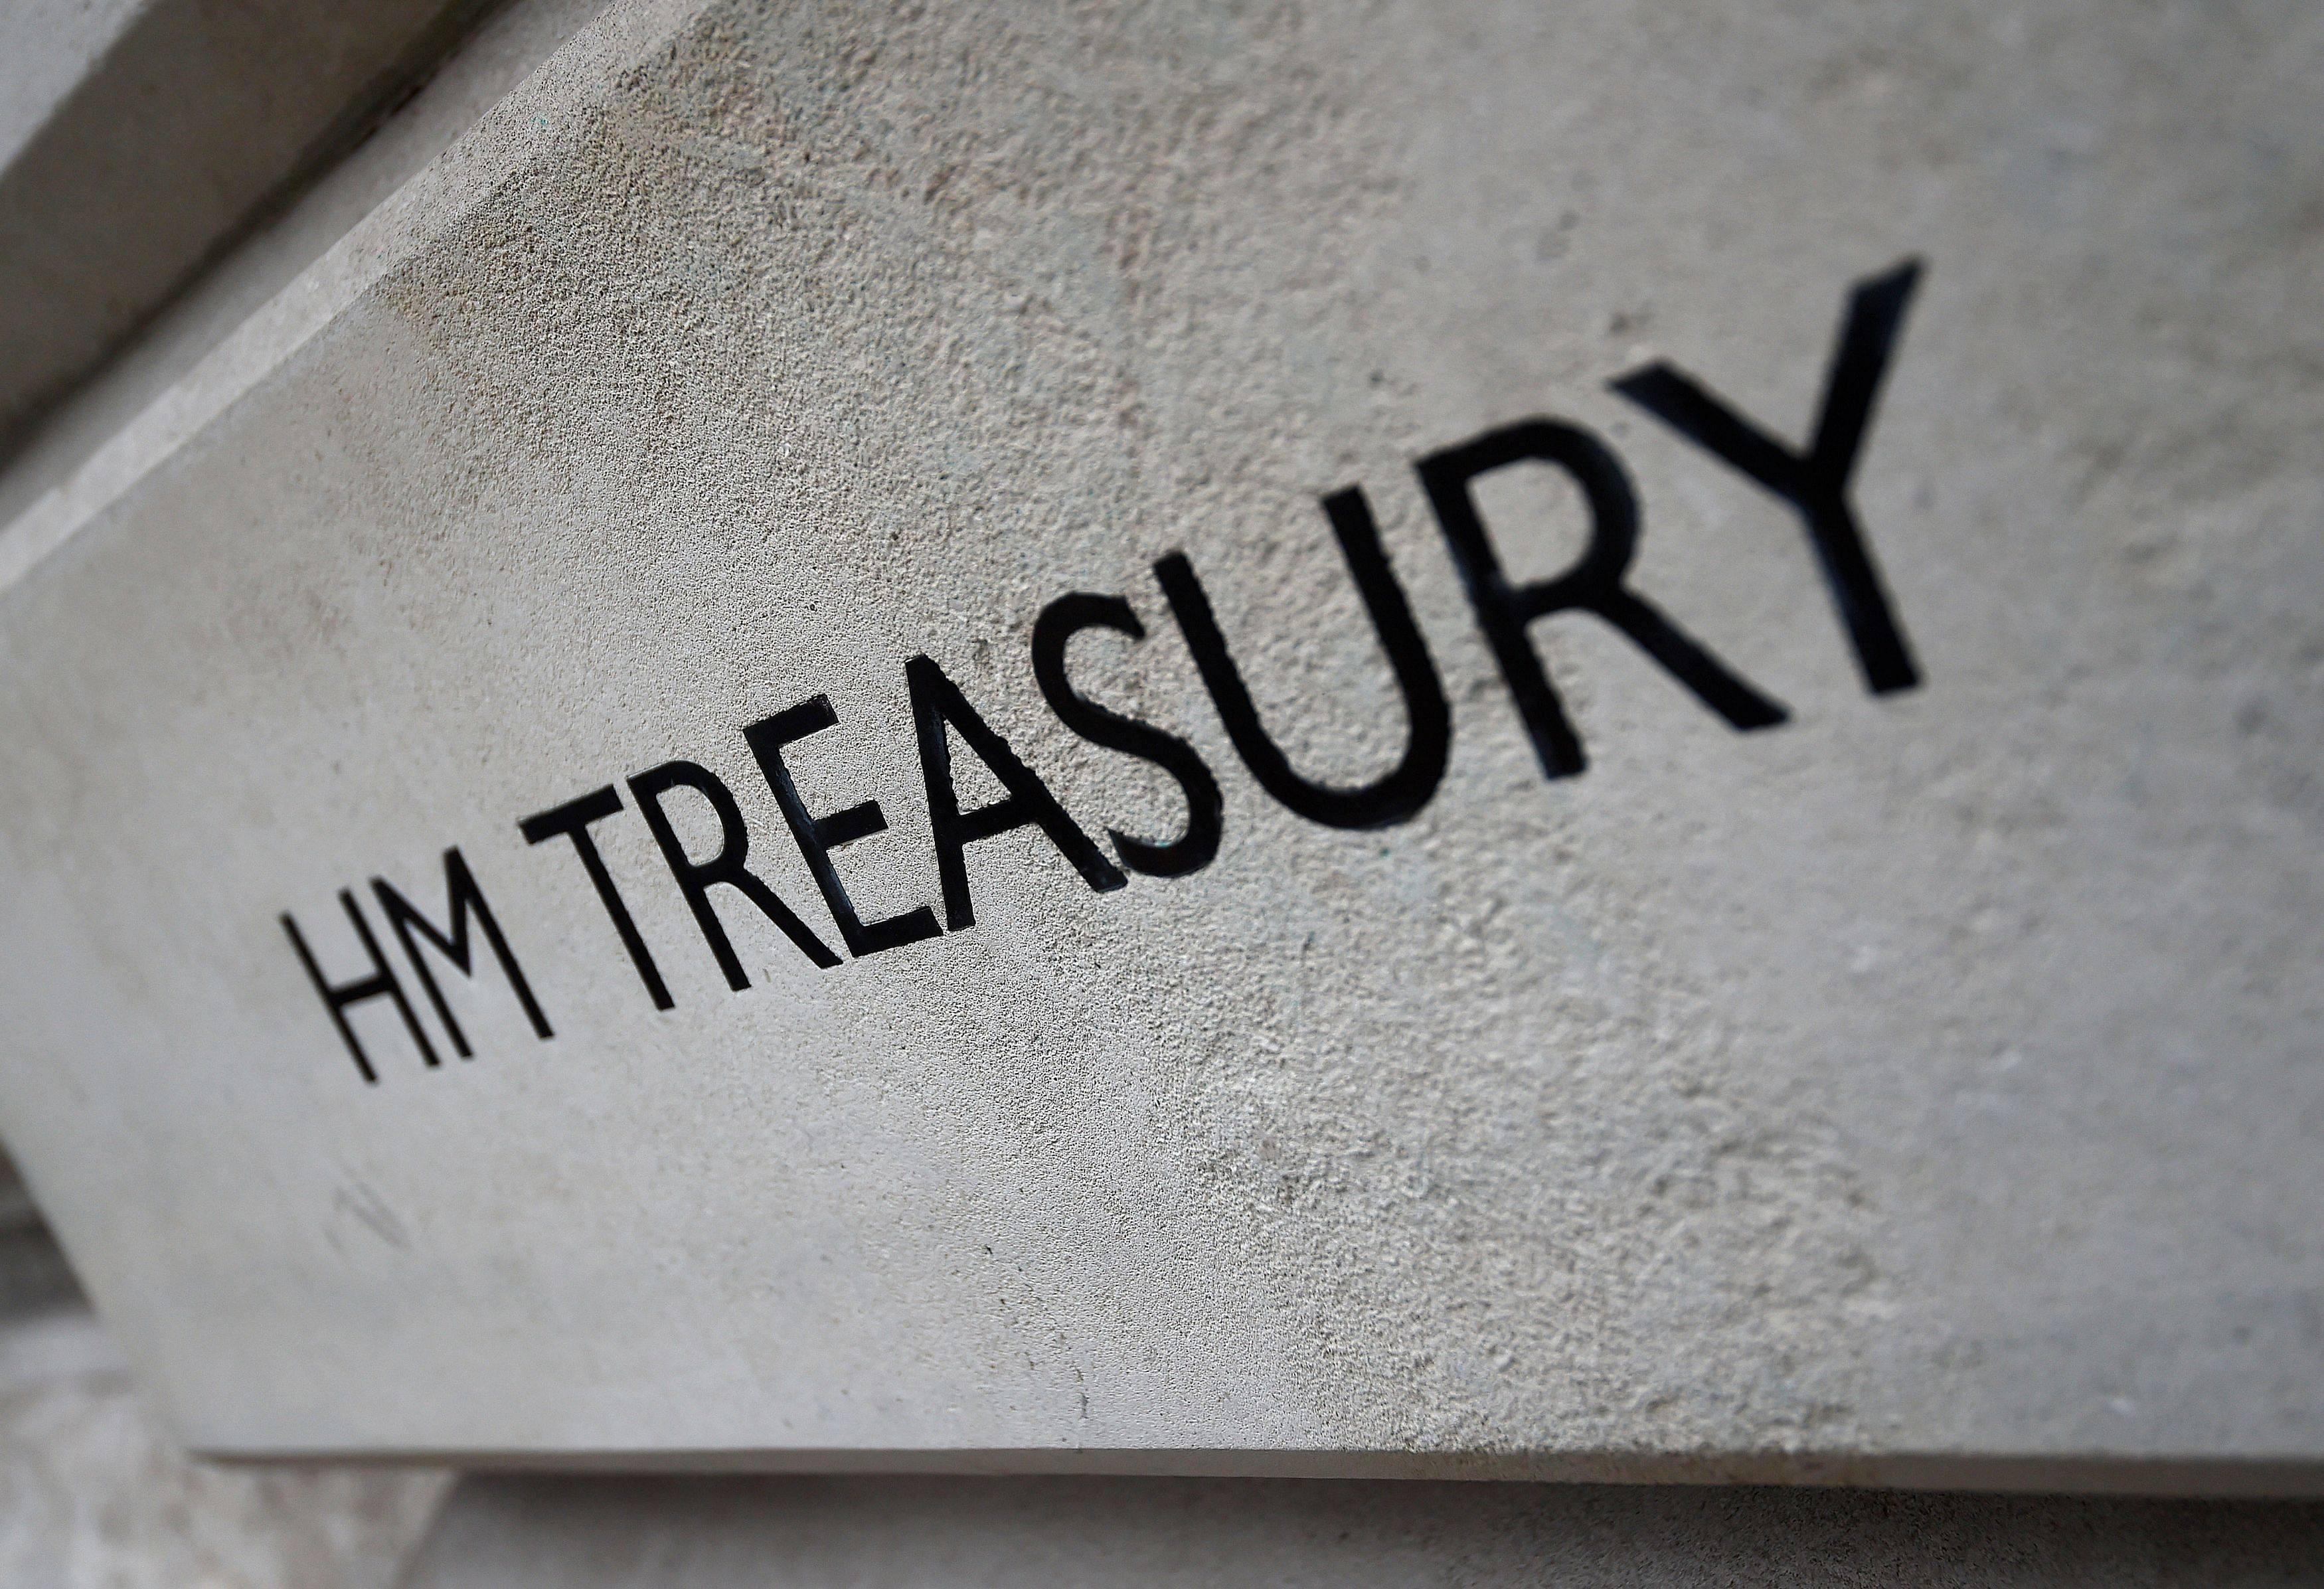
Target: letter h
[(381, 983)]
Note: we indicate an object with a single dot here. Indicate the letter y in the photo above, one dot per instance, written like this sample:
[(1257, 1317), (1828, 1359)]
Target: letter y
[(1816, 483)]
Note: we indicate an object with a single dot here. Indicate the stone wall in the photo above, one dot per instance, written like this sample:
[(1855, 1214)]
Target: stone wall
[(97, 1492)]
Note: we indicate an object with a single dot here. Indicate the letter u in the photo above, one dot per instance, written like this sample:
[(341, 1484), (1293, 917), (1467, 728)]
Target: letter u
[(1400, 794)]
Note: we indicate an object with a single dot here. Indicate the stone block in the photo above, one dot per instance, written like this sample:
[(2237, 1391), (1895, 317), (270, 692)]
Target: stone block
[(1822, 984)]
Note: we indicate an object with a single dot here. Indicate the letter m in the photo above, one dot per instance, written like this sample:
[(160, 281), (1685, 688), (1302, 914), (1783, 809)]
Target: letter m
[(463, 901)]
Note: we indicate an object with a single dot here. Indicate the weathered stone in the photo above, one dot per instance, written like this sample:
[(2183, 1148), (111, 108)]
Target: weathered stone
[(1922, 1087)]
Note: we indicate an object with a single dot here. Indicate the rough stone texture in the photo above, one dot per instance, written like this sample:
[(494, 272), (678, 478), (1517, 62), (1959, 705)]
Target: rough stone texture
[(96, 1493), (1932, 1081), (896, 1533)]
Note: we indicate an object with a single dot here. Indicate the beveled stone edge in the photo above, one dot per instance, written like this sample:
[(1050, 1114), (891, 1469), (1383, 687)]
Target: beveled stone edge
[(2285, 1477)]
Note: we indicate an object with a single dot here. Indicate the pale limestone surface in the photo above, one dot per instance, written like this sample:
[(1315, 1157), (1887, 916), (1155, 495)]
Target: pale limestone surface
[(1928, 1087), (96, 1493)]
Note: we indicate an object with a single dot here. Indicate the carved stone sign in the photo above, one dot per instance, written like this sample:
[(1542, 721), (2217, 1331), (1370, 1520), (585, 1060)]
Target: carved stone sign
[(1472, 741), (1814, 481)]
